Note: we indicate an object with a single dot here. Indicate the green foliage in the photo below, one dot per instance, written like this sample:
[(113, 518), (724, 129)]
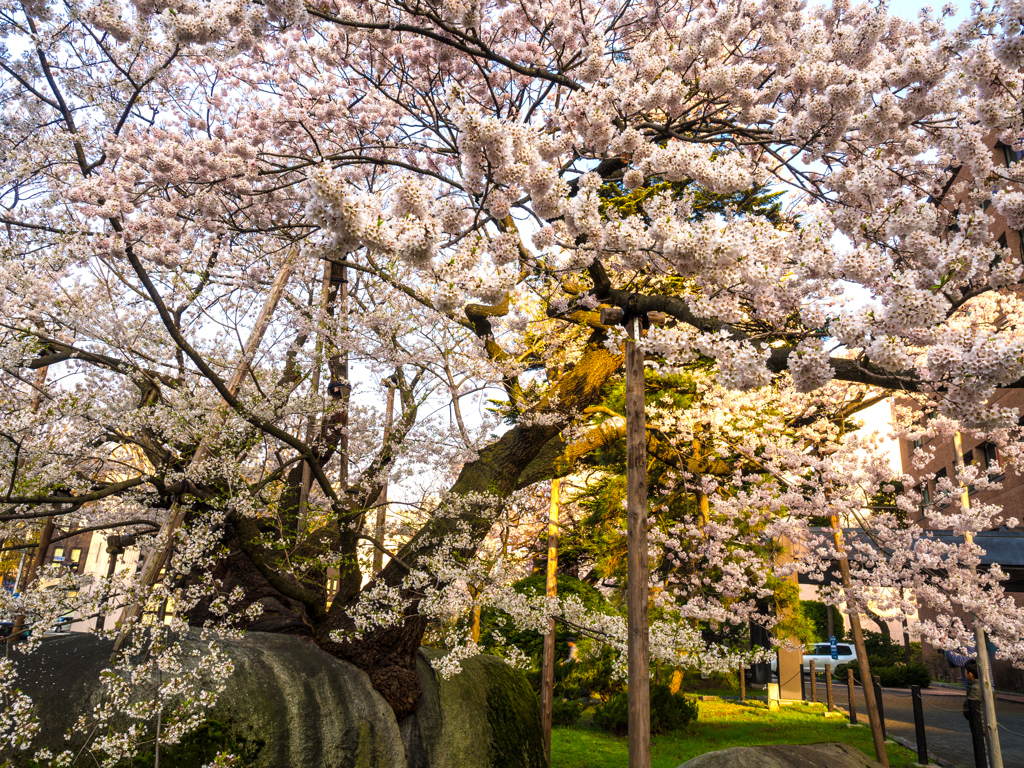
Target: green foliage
[(904, 675), (882, 651), (755, 201), (565, 712), (669, 711), (796, 624), (816, 612), (590, 676), (613, 715), (722, 724), (894, 676), (528, 641)]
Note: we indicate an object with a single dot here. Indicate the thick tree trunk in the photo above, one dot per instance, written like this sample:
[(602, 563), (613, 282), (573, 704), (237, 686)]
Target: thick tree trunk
[(388, 654)]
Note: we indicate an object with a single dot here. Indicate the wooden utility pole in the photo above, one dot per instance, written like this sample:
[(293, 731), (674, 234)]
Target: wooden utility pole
[(344, 383), (638, 653), (314, 386), (988, 700), (382, 499), (547, 686), (870, 703), (161, 553), (46, 535), (638, 637)]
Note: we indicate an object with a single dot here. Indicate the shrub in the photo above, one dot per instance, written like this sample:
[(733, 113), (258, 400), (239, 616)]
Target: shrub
[(882, 651), (904, 675), (892, 676), (669, 712), (565, 712), (613, 715), (816, 613)]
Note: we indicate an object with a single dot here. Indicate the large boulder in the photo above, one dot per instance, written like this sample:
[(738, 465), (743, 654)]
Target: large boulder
[(830, 755), (487, 716), (288, 703)]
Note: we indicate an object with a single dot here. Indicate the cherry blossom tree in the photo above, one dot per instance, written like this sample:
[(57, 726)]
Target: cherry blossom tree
[(213, 211)]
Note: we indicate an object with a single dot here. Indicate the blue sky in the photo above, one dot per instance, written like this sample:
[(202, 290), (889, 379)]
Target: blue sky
[(908, 8)]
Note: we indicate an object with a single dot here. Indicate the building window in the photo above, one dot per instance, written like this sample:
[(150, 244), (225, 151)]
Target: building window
[(944, 501), (58, 555), (926, 494), (993, 462), (1011, 155), (76, 555), (919, 442)]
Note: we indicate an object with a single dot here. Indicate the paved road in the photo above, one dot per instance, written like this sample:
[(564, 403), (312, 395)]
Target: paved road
[(946, 730)]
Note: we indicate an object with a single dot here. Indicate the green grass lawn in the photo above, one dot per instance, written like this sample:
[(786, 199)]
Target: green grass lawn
[(722, 724)]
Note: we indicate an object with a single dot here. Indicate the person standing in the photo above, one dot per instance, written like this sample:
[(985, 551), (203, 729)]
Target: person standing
[(974, 713)]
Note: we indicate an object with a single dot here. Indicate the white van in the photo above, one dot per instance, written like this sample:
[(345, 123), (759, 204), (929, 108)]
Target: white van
[(822, 655)]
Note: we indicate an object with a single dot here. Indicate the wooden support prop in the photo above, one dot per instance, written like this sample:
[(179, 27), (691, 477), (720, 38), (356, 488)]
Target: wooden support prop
[(919, 734), (853, 696), (871, 702), (988, 698), (382, 499), (611, 315), (547, 688), (638, 675), (829, 700), (161, 553), (814, 683), (876, 684)]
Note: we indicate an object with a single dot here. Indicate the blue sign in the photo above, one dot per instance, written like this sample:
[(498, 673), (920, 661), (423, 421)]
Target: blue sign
[(835, 648)]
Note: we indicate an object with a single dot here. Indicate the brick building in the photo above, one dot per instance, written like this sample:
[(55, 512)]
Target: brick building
[(1004, 547)]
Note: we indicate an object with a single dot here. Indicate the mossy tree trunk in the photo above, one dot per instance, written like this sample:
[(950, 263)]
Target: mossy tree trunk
[(388, 654)]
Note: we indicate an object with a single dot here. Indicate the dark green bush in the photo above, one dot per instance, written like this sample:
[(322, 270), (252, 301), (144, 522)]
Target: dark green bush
[(882, 651), (893, 676), (669, 712), (904, 675), (816, 613), (565, 712), (613, 715)]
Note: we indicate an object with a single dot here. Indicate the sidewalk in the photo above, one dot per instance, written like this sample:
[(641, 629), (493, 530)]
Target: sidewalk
[(952, 689)]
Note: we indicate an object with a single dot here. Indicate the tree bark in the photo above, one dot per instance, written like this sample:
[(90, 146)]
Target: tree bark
[(547, 686), (639, 680), (388, 654)]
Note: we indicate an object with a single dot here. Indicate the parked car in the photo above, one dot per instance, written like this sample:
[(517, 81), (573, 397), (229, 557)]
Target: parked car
[(822, 655)]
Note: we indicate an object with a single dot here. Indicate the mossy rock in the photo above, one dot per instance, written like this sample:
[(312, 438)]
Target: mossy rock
[(486, 716), (288, 703)]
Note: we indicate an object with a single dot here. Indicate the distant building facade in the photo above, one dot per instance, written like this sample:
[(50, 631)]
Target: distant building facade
[(986, 456)]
